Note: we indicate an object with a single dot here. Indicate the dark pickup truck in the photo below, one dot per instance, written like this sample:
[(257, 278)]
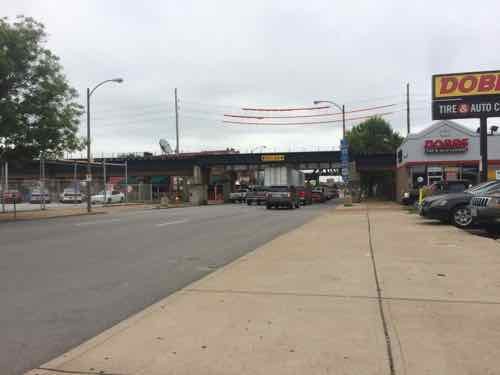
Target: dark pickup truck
[(257, 195), (282, 196)]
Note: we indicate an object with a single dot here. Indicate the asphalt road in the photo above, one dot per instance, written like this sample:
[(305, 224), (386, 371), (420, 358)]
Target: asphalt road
[(63, 281)]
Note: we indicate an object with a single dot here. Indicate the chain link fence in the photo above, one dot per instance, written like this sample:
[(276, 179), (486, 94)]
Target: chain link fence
[(33, 194)]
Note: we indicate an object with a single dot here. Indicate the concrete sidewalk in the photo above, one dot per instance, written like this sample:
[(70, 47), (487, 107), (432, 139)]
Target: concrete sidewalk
[(307, 303)]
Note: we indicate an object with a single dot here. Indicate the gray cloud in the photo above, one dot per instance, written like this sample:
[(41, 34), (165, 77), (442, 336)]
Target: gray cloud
[(226, 54)]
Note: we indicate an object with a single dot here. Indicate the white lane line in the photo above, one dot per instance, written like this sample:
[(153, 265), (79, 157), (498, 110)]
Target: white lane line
[(97, 222), (171, 223)]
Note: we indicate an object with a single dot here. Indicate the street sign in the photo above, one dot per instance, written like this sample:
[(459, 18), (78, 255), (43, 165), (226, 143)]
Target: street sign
[(344, 159)]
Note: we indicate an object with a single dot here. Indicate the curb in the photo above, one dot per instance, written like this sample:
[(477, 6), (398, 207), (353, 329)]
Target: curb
[(51, 217)]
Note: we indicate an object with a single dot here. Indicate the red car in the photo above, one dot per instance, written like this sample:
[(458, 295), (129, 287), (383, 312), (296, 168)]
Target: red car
[(12, 195), (318, 195), (305, 195)]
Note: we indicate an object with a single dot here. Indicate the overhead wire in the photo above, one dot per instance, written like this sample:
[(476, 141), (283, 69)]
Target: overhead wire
[(306, 123), (313, 115)]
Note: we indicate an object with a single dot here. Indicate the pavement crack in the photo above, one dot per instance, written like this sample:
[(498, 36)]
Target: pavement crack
[(390, 355)]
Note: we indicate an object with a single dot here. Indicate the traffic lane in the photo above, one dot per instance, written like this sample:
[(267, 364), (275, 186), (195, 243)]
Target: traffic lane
[(61, 293), (22, 231), (62, 228), (117, 242)]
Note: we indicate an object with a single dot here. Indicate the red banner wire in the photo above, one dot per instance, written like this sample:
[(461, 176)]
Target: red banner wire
[(284, 109), (306, 123), (314, 115)]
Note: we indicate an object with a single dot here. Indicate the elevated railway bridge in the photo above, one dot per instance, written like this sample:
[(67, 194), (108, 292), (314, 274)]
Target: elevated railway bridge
[(198, 175)]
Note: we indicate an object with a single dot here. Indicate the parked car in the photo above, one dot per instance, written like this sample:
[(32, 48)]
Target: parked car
[(305, 195), (9, 196), (485, 211), (113, 196), (37, 196), (282, 196), (318, 195), (256, 195), (71, 196), (454, 208), (437, 188), (240, 195), (334, 192)]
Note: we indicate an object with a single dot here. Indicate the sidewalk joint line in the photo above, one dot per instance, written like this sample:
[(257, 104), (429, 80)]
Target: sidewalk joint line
[(294, 294), (78, 372), (390, 356), (344, 296)]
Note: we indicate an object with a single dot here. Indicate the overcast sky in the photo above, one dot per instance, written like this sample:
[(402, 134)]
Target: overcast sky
[(224, 55)]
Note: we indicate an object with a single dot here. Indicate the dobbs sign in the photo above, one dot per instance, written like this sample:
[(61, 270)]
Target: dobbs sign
[(466, 95), (435, 146)]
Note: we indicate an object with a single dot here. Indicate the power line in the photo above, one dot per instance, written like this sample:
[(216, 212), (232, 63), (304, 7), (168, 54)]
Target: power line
[(306, 123), (314, 115)]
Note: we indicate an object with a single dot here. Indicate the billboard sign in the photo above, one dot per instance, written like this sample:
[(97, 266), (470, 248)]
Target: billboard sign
[(466, 95)]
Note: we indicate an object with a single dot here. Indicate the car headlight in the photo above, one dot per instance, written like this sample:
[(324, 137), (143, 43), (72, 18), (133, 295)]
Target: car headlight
[(406, 195)]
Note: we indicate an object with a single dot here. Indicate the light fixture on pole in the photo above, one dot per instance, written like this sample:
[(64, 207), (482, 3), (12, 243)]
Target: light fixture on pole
[(89, 169), (341, 108)]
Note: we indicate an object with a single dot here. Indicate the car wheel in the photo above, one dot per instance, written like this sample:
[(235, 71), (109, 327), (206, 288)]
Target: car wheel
[(268, 206), (249, 203), (258, 203), (122, 200), (461, 217)]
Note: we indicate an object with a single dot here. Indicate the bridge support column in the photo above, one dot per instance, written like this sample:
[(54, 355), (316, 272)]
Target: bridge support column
[(198, 191)]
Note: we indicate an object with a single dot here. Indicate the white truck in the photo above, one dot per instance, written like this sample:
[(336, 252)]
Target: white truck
[(284, 176)]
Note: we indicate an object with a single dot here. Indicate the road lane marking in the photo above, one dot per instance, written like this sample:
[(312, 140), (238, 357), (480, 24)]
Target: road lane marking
[(97, 222), (171, 223)]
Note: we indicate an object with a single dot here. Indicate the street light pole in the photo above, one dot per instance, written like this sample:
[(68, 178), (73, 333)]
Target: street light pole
[(87, 179), (340, 108), (89, 169)]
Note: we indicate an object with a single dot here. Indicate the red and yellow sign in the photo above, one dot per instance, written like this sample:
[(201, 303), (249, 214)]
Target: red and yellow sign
[(466, 84)]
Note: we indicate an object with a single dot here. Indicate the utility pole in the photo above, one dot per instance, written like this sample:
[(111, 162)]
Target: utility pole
[(42, 182), (408, 108), (343, 121), (126, 181), (104, 177), (176, 122), (3, 187), (75, 175), (89, 169), (483, 141)]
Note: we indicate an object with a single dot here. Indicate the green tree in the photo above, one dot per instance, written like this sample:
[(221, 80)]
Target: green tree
[(372, 136), (38, 111)]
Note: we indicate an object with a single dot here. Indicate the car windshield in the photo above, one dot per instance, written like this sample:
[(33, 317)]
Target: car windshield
[(484, 187)]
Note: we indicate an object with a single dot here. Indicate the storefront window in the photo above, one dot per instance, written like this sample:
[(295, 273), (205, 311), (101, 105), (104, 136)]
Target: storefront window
[(471, 174), (415, 173), (434, 174)]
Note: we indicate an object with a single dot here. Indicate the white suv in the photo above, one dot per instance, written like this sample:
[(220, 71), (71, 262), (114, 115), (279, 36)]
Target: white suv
[(108, 197)]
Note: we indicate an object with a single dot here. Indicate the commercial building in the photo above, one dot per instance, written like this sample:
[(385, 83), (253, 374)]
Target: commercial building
[(446, 150)]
